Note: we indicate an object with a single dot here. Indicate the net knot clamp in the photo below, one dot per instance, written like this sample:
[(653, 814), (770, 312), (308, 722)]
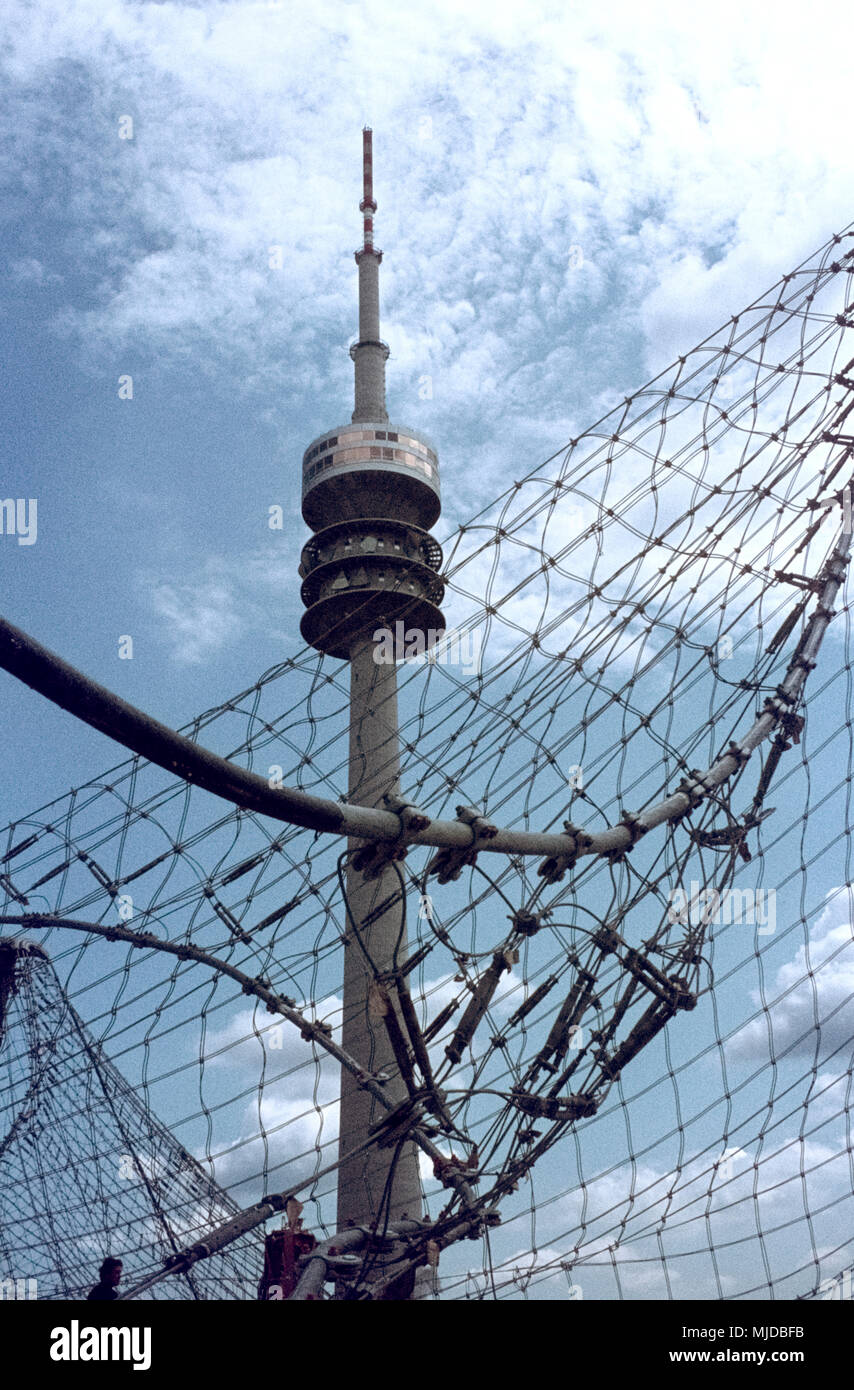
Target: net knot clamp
[(449, 863), (681, 994), (310, 1031), (272, 1005), (554, 868), (527, 923)]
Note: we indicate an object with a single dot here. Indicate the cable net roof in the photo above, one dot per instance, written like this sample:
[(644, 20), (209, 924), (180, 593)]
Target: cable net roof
[(85, 1169), (644, 1055)]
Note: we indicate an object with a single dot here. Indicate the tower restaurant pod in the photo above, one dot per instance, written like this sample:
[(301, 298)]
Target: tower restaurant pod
[(370, 493)]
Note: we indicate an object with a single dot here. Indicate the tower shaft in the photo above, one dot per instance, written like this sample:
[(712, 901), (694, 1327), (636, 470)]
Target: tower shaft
[(378, 1184)]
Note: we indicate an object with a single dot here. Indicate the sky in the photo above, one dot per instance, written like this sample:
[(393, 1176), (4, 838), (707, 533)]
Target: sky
[(569, 196)]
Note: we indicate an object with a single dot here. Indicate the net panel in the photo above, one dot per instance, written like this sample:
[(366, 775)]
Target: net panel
[(655, 1094)]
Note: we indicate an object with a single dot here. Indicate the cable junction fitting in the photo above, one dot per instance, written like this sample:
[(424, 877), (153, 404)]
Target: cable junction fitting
[(574, 1107), (478, 1005), (370, 860), (528, 923), (554, 868), (448, 864)]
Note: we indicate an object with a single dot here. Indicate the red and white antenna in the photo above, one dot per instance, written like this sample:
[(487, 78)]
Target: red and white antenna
[(367, 206)]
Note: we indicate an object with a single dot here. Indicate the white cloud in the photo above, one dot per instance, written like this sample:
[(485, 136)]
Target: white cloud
[(814, 990), (220, 599), (682, 169), (289, 1127), (29, 270), (199, 617)]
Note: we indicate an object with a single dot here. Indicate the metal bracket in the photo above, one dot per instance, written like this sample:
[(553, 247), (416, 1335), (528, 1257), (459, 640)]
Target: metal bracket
[(791, 728), (632, 822), (739, 754), (370, 860), (412, 819), (554, 868), (813, 584), (696, 787), (448, 864), (733, 836)]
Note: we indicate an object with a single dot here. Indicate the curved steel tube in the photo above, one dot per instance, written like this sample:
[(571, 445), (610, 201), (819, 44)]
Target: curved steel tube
[(54, 678)]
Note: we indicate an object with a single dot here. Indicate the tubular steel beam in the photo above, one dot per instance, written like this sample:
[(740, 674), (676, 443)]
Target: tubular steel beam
[(54, 678)]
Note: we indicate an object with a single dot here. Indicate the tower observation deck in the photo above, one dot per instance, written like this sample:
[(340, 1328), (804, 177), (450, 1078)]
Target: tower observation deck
[(370, 493)]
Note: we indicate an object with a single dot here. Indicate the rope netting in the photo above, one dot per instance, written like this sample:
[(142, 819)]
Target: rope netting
[(637, 1052)]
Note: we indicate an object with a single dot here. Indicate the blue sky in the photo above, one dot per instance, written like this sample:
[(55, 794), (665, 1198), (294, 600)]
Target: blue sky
[(567, 200)]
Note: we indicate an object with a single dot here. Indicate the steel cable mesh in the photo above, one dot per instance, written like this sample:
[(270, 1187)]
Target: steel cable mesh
[(655, 1094), (86, 1168)]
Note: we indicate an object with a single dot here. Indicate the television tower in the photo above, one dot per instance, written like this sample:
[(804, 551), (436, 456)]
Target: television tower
[(370, 493)]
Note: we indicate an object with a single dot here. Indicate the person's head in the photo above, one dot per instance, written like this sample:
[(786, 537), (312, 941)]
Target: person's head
[(111, 1271)]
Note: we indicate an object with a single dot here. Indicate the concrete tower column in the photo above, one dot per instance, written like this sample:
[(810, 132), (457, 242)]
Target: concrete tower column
[(369, 295), (374, 771), (369, 354)]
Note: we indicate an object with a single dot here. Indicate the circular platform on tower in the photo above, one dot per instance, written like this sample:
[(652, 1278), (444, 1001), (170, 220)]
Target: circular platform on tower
[(368, 574), (370, 469)]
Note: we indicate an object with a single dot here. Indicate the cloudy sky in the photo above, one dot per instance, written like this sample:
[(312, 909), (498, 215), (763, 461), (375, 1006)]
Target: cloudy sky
[(570, 195)]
